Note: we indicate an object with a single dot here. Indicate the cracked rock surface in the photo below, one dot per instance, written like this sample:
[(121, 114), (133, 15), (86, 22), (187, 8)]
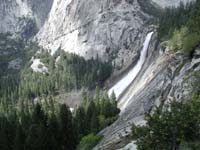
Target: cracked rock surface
[(88, 28)]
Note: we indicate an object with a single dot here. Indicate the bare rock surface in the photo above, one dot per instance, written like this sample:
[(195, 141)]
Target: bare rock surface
[(20, 15), (104, 27)]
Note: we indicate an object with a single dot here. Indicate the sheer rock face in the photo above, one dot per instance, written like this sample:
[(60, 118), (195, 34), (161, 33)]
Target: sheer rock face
[(16, 16), (91, 27), (108, 28)]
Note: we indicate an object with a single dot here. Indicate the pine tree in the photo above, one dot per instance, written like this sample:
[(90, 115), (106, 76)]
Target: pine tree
[(53, 134), (67, 131), (38, 115), (94, 125), (80, 121), (19, 139), (4, 140)]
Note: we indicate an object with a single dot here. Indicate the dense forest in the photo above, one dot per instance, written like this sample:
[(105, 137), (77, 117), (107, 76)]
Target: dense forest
[(181, 27), (30, 116), (70, 72), (48, 125)]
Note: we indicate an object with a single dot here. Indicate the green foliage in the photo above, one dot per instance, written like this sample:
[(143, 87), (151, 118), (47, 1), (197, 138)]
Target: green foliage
[(47, 125), (30, 119), (95, 114), (184, 40), (190, 41), (14, 48), (66, 124), (189, 146), (32, 128), (167, 128), (172, 19), (88, 142), (182, 26), (176, 42), (70, 72), (10, 49)]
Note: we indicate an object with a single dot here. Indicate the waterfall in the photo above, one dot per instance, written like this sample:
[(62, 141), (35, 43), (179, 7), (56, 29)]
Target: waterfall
[(121, 85)]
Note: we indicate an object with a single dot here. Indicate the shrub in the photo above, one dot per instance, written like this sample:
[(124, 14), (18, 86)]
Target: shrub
[(190, 41), (176, 42), (88, 142), (184, 40)]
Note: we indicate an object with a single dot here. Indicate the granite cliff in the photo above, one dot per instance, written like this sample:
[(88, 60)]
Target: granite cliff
[(23, 17), (114, 30)]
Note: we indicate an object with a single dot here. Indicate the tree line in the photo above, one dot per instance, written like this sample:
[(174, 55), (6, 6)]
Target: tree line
[(46, 125), (69, 72), (181, 27)]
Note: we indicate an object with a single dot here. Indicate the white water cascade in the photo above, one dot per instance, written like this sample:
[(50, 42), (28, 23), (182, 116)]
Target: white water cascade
[(121, 85)]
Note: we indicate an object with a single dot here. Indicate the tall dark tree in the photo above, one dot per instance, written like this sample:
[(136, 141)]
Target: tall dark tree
[(38, 116), (80, 121), (67, 132), (19, 139)]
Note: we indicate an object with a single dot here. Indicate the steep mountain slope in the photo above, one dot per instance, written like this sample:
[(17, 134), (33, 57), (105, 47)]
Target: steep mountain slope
[(163, 77)]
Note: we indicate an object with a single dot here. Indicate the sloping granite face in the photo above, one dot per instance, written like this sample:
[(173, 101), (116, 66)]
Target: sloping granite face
[(91, 27), (16, 15), (164, 77)]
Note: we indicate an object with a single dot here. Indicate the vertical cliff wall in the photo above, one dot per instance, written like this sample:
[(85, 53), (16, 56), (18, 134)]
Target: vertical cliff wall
[(91, 27)]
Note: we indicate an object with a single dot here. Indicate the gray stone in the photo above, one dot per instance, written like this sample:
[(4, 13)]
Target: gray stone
[(107, 28), (14, 13), (163, 77)]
